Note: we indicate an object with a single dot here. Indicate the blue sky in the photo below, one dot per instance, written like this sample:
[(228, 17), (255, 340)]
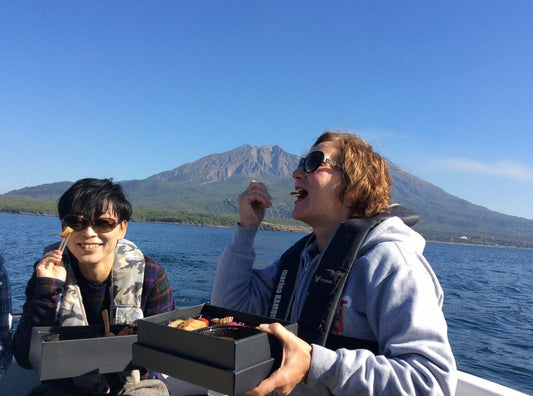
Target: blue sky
[(127, 89)]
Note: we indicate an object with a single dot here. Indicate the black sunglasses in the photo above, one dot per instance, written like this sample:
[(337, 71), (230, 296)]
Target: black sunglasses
[(314, 160), (102, 224)]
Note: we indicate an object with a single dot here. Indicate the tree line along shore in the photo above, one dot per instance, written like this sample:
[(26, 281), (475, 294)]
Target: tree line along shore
[(431, 232), (44, 208)]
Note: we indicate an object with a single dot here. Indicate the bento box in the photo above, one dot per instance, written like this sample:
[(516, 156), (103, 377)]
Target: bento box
[(227, 363), (70, 351)]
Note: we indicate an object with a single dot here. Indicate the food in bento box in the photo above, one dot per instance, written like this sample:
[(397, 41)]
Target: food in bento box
[(191, 324), (226, 327), (226, 320), (230, 332), (176, 322)]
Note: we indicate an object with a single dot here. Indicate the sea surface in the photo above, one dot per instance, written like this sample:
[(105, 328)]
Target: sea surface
[(488, 291)]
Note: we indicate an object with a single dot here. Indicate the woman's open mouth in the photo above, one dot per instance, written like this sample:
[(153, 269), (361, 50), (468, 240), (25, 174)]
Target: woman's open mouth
[(300, 193)]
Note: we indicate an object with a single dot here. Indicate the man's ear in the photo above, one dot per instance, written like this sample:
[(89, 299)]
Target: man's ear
[(123, 227)]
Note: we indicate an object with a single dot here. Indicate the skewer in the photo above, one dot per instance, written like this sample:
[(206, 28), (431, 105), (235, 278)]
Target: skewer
[(283, 197), (271, 189)]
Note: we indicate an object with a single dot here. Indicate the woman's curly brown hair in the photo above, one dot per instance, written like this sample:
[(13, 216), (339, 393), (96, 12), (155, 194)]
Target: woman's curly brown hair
[(366, 174)]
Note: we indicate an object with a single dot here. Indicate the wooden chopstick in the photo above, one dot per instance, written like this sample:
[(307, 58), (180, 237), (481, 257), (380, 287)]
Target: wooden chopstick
[(292, 194), (63, 243), (285, 196)]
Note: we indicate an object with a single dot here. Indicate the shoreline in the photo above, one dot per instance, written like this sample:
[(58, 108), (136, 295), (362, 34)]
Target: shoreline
[(272, 226)]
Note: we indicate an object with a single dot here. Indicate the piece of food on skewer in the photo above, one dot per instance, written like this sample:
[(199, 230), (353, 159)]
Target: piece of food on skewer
[(65, 234), (292, 194)]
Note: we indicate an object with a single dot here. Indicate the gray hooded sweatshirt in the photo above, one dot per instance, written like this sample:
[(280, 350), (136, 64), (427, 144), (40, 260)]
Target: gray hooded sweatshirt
[(392, 297)]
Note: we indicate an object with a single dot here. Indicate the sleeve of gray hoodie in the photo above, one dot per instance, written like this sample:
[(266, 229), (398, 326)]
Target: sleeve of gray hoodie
[(237, 285), (395, 296)]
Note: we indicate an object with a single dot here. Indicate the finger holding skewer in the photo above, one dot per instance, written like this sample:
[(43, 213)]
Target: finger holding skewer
[(51, 266), (254, 201)]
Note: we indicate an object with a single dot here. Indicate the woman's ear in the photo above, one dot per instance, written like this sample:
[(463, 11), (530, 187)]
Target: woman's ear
[(350, 201), (348, 198)]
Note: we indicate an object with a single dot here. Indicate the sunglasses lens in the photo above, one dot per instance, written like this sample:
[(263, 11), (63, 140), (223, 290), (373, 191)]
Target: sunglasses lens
[(313, 161), (105, 225), (77, 223)]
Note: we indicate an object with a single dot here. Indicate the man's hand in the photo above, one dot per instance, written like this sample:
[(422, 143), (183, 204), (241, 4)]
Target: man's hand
[(51, 266), (294, 364)]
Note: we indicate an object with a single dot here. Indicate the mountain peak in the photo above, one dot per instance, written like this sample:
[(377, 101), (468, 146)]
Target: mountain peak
[(264, 162)]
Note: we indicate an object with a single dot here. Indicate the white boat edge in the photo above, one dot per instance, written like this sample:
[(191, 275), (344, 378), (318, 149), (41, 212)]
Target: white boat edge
[(18, 382), (471, 385)]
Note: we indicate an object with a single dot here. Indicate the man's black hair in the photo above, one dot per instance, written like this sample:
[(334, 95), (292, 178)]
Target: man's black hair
[(92, 197)]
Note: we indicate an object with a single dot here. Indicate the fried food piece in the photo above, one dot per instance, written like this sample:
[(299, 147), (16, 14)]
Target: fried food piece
[(219, 321), (192, 324), (66, 232), (176, 322)]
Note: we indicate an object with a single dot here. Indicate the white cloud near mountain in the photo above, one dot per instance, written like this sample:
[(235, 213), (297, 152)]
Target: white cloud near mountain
[(506, 169)]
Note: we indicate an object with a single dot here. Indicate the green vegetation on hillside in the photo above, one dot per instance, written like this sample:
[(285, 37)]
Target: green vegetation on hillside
[(465, 227), (153, 215), (26, 206)]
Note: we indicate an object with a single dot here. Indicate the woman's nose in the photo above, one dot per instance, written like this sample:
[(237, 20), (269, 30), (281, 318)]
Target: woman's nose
[(298, 173)]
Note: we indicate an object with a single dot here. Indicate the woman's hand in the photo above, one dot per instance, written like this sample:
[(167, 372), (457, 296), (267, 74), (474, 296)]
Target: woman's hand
[(294, 364), (51, 266), (253, 203)]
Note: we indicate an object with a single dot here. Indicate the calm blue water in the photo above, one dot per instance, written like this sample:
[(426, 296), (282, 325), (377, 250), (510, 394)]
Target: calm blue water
[(488, 291)]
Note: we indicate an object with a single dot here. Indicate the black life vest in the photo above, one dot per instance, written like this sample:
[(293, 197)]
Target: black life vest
[(325, 291)]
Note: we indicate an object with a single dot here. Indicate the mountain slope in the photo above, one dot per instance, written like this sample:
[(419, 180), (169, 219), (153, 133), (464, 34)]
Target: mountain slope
[(213, 183)]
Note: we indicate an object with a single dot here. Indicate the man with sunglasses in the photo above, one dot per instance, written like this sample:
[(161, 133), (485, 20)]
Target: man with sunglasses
[(367, 303), (98, 272)]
